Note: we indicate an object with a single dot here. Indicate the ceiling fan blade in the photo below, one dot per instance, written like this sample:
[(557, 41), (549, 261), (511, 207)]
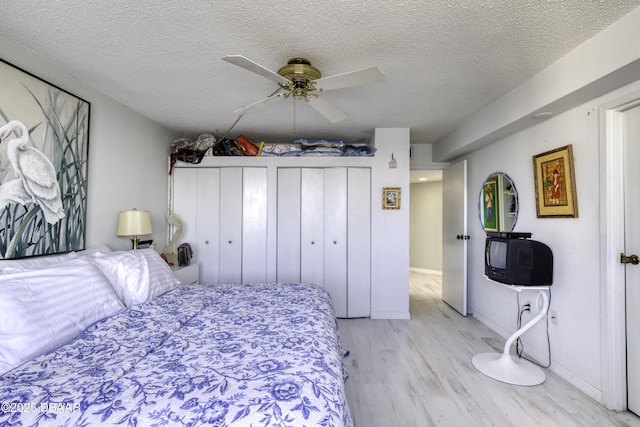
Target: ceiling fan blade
[(330, 111), (257, 104), (362, 77), (254, 67)]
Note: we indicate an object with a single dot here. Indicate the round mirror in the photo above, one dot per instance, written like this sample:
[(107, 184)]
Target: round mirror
[(498, 203)]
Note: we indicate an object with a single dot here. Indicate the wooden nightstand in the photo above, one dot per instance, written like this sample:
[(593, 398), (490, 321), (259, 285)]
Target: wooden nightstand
[(188, 275)]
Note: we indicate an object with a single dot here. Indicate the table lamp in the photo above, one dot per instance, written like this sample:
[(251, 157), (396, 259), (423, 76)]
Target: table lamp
[(134, 223)]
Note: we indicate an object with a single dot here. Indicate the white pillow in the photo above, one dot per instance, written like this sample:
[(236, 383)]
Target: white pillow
[(45, 308), (30, 263), (93, 249), (136, 276), (160, 274), (128, 275)]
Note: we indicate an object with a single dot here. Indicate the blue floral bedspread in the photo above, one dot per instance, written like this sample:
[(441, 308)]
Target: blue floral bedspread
[(245, 355)]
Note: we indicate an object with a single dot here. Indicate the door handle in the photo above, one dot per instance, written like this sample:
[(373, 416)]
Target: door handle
[(631, 259)]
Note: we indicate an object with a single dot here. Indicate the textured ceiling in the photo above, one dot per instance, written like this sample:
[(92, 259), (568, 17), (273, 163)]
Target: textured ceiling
[(443, 60)]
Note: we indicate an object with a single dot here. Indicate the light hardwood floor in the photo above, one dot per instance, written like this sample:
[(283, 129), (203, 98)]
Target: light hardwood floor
[(418, 372)]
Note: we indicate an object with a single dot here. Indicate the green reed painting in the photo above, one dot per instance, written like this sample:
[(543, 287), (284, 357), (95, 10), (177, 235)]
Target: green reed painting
[(44, 142)]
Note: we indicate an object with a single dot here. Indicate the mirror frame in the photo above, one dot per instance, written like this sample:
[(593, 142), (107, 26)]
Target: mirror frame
[(500, 182)]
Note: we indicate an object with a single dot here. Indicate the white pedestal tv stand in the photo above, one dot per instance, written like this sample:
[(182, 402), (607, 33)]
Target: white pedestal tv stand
[(506, 368)]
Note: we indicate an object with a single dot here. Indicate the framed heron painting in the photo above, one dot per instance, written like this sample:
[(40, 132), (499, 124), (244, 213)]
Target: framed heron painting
[(44, 142)]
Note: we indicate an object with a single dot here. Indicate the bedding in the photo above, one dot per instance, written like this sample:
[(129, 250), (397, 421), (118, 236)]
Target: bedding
[(246, 355), (44, 308)]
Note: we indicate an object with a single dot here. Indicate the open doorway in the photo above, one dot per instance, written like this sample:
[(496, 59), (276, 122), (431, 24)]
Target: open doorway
[(425, 229)]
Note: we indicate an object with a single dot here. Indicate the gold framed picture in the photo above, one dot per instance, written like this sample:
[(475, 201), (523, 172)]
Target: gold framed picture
[(391, 198), (555, 184)]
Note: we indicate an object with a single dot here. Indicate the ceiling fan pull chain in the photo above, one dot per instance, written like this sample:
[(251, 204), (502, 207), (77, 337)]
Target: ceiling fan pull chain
[(232, 126), (294, 115)]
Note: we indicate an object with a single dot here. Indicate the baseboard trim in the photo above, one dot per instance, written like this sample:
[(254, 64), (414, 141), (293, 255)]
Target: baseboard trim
[(390, 315)]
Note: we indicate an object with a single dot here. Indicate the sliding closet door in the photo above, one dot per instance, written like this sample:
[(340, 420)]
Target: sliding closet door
[(288, 251), (335, 237), (359, 248), (230, 225), (312, 226), (208, 218), (324, 233), (254, 225)]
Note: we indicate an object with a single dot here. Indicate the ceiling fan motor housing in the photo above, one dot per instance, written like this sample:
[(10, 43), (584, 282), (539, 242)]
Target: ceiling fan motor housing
[(301, 73)]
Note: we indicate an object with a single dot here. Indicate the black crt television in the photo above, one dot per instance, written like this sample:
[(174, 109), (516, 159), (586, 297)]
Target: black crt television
[(515, 259)]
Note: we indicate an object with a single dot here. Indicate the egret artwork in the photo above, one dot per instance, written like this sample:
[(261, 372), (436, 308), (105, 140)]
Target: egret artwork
[(44, 134), (35, 176)]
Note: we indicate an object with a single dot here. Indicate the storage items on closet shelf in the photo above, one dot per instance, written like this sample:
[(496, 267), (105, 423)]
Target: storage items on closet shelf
[(249, 147), (191, 150), (230, 147)]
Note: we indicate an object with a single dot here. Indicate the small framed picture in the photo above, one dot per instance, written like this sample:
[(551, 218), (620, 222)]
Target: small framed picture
[(555, 184), (391, 198)]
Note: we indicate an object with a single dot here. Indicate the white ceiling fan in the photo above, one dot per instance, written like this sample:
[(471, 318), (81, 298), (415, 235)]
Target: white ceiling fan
[(301, 80)]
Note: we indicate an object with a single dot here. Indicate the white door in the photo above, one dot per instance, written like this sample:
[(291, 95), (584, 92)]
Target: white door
[(288, 220), (335, 237), (208, 218), (324, 233), (193, 191), (254, 225), (230, 225), (312, 226), (631, 138), (454, 236)]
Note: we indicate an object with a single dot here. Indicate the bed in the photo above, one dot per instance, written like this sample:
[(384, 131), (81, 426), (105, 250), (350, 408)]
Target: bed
[(162, 353)]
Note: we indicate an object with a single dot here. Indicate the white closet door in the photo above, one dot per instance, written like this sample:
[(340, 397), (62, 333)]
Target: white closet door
[(335, 237), (230, 225), (311, 227), (208, 218), (289, 206), (359, 236), (254, 225)]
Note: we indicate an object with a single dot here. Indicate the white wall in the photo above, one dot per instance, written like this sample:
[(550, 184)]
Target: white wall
[(575, 242), (426, 226), (390, 228), (595, 73), (127, 164)]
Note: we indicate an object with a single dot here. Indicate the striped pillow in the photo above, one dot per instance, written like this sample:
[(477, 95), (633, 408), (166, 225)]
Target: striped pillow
[(137, 276), (161, 277), (127, 273), (31, 263), (45, 308)]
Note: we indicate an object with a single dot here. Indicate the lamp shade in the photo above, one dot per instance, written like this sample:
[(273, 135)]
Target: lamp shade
[(134, 223)]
